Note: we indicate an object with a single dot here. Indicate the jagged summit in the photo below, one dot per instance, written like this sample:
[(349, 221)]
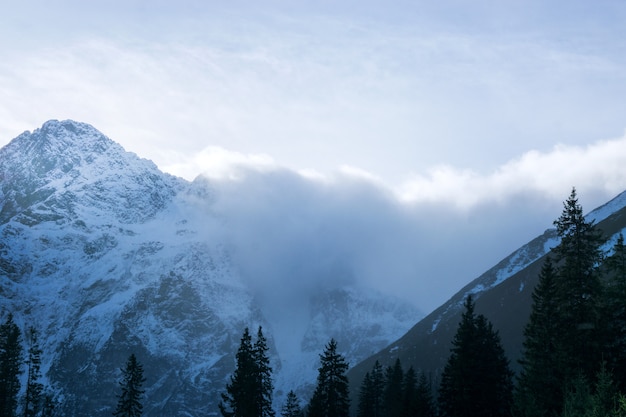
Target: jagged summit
[(42, 172), (69, 132), (58, 145)]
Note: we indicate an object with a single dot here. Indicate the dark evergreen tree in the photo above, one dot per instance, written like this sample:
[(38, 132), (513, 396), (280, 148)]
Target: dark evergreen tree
[(33, 396), (291, 408), (264, 385), (604, 401), (239, 399), (378, 388), (409, 393), (11, 359), (494, 372), (617, 262), (476, 380), (249, 393), (371, 393), (365, 407), (578, 290), (423, 403), (578, 399), (393, 395), (539, 389), (129, 401), (615, 311), (456, 382), (331, 395)]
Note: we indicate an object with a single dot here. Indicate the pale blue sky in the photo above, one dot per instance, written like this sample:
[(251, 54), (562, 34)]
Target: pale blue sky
[(462, 104), (393, 88)]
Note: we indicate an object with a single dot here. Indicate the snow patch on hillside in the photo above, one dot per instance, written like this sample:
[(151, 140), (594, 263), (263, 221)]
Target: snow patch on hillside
[(531, 252), (607, 209)]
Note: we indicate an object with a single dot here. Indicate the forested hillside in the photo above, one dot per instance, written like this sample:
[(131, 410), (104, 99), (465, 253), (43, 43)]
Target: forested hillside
[(558, 324)]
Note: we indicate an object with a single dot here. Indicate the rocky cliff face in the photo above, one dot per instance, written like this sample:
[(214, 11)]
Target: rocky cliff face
[(108, 256)]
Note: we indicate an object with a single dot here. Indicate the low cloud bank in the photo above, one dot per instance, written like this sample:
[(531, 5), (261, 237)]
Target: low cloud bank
[(294, 231)]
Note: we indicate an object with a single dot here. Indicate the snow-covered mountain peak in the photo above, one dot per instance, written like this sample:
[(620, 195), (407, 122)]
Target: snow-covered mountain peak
[(42, 172), (59, 146)]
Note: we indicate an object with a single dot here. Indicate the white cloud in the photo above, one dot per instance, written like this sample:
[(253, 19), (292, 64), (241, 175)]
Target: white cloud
[(220, 164), (596, 168)]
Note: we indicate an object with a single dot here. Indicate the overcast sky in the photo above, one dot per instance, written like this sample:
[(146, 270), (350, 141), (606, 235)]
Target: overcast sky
[(472, 119)]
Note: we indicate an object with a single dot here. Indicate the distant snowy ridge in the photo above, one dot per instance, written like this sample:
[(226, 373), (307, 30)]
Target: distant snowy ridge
[(605, 210)]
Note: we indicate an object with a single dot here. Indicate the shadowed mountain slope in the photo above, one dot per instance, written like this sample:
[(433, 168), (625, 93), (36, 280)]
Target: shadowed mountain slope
[(502, 294)]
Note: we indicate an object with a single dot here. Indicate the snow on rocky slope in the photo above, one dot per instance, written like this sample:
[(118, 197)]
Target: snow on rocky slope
[(529, 253), (108, 256)]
